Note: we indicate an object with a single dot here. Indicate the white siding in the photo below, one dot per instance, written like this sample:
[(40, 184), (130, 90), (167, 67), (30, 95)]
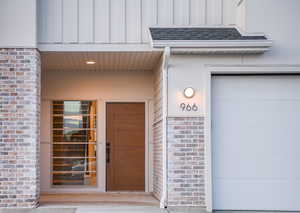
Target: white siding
[(198, 12), (86, 22), (229, 11), (125, 21), (182, 12), (102, 21), (133, 21), (18, 23), (51, 21), (214, 12), (149, 17), (118, 21), (165, 12), (70, 16)]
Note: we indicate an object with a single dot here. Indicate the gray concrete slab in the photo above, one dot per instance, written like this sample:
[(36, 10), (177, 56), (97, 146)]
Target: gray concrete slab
[(121, 209), (186, 210), (256, 212), (38, 210)]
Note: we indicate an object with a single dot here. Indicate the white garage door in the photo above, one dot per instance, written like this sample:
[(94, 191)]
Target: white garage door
[(256, 142)]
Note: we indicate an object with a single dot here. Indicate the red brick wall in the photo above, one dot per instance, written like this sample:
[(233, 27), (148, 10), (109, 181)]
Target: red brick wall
[(185, 142), (19, 122)]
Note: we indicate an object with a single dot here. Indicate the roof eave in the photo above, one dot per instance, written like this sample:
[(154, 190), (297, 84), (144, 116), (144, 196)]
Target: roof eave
[(215, 46)]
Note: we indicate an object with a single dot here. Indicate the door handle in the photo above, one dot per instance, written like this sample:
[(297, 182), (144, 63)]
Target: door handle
[(107, 152)]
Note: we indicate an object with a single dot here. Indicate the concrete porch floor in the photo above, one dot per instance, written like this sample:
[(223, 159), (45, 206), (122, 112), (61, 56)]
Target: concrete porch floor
[(115, 202), (98, 199)]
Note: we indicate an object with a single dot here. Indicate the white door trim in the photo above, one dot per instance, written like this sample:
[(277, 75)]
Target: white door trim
[(211, 69), (148, 151)]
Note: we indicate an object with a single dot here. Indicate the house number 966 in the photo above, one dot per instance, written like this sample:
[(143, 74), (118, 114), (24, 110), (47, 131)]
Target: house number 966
[(188, 107)]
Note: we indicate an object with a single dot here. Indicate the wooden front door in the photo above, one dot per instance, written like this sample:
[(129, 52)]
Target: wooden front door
[(125, 147)]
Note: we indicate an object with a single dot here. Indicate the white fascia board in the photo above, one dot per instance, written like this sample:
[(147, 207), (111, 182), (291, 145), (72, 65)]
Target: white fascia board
[(211, 43), (209, 50), (92, 47), (215, 47)]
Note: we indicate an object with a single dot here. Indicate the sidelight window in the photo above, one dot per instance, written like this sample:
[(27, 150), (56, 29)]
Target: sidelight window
[(74, 143)]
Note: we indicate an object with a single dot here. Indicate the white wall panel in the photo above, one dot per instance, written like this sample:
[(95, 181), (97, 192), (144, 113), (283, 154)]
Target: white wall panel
[(214, 12), (70, 21), (133, 21), (102, 21), (165, 12), (198, 12), (42, 20), (86, 21), (118, 21), (182, 12), (125, 21), (229, 11), (279, 21), (149, 17), (18, 23), (51, 20)]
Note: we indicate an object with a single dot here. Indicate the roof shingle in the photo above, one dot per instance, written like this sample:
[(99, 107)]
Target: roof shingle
[(199, 33)]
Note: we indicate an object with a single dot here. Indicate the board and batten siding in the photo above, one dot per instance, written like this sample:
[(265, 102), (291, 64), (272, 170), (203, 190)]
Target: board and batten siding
[(124, 21)]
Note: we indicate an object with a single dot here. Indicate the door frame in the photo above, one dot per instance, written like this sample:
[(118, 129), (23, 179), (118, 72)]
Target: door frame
[(148, 151), (212, 69)]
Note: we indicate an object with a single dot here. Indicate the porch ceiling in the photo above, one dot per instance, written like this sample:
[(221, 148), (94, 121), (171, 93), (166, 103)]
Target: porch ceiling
[(105, 61)]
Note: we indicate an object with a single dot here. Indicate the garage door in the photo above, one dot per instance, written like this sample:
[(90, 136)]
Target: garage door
[(256, 142)]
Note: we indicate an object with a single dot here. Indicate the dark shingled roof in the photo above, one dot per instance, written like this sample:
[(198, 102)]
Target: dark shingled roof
[(200, 33)]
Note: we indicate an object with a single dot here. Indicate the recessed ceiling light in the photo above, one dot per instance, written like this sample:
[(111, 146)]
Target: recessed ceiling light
[(90, 62)]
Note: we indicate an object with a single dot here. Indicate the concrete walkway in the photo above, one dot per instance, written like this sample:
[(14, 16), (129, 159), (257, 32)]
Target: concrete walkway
[(120, 209)]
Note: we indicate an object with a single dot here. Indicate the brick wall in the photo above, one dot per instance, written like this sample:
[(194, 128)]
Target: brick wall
[(157, 134), (186, 183), (157, 158), (19, 127)]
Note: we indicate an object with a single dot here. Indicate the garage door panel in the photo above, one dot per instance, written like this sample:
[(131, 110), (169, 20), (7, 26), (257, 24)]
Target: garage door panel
[(255, 87), (255, 142), (245, 157), (268, 191)]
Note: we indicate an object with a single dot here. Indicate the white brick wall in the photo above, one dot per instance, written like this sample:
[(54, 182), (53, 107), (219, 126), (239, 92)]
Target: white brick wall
[(157, 134), (19, 127), (185, 142), (157, 158)]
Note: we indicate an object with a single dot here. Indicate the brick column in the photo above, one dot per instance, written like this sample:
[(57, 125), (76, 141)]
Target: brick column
[(186, 183), (19, 127)]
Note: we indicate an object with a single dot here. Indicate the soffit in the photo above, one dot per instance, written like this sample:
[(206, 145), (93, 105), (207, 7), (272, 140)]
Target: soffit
[(105, 61)]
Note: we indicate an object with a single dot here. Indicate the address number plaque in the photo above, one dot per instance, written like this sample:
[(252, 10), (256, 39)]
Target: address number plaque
[(187, 107)]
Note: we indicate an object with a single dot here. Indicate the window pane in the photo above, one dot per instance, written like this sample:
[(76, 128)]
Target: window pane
[(74, 164), (74, 178), (74, 143), (74, 135), (73, 121)]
